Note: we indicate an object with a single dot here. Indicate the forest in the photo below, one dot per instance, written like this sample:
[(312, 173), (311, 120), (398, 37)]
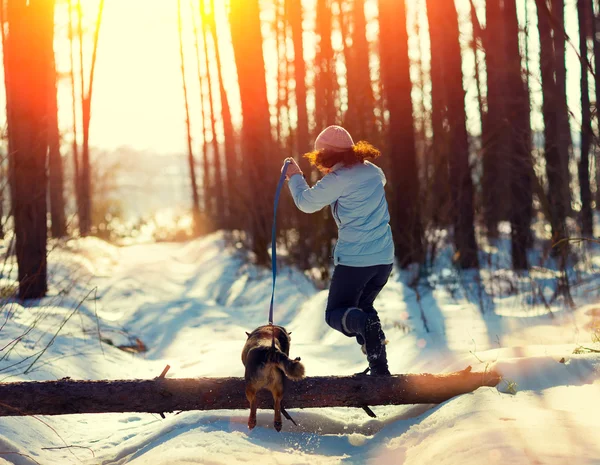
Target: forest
[(119, 113), (524, 153)]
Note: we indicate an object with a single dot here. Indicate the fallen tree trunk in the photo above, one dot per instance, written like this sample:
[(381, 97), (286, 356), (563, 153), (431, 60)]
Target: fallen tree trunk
[(160, 395)]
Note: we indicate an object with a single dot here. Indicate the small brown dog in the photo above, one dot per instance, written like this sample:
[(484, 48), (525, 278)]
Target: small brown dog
[(266, 358)]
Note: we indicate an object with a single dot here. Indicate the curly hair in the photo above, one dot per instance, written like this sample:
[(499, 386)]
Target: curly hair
[(325, 159)]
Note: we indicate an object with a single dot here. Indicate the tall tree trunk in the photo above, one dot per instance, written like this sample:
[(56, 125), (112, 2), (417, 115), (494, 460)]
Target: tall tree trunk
[(360, 116), (551, 108), (443, 15), (257, 144), (75, 145), (55, 165), (397, 86), (85, 220), (29, 57), (440, 203), (228, 132), (325, 79), (5, 178), (560, 73), (294, 15), (220, 213), (586, 220), (282, 101), (305, 224), (478, 38), (495, 129), (191, 163), (596, 45), (518, 153), (208, 184), (207, 180)]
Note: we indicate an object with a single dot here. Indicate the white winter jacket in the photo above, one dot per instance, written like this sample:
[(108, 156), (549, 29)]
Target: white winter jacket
[(357, 198)]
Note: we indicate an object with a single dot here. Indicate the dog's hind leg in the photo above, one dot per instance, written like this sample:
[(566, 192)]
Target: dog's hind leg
[(251, 396), (277, 391)]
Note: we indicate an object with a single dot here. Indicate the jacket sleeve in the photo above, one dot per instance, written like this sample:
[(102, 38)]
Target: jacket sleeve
[(381, 173), (312, 199)]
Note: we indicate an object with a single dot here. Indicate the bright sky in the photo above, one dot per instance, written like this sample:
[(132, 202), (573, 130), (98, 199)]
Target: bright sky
[(138, 99)]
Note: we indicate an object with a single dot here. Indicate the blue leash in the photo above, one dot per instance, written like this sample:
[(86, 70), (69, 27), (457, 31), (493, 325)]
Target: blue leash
[(274, 237)]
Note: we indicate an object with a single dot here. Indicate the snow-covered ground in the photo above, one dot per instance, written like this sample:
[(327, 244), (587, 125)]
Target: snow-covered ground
[(190, 304)]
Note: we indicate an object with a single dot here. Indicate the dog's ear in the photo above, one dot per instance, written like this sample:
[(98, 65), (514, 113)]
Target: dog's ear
[(247, 333)]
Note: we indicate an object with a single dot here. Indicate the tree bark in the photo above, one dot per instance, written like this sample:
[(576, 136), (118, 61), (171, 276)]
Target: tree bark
[(219, 217), (360, 116), (231, 164), (257, 142), (397, 87), (586, 219), (75, 144), (325, 78), (167, 395), (29, 56), (85, 221), (5, 179), (596, 48), (551, 109), (519, 159), (191, 161), (294, 15), (495, 136), (440, 205), (208, 183), (562, 107), (58, 226), (443, 15)]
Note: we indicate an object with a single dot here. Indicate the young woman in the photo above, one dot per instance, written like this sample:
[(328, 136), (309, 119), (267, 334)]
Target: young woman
[(364, 253)]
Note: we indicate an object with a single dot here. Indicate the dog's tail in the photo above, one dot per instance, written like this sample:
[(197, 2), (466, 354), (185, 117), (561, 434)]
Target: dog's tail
[(292, 368)]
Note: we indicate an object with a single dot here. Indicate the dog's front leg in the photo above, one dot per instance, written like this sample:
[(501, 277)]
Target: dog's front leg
[(251, 396)]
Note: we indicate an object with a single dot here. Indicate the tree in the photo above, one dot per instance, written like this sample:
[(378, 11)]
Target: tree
[(191, 162), (85, 214), (557, 21), (441, 205), (325, 74), (495, 137), (397, 88), (294, 16), (29, 61), (551, 108), (55, 166), (162, 394), (75, 144), (360, 116), (519, 161), (216, 150), (4, 173), (443, 30), (257, 144), (586, 220), (596, 49), (207, 180), (228, 132)]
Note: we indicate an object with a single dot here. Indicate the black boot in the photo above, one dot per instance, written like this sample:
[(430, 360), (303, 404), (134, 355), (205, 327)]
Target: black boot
[(375, 347)]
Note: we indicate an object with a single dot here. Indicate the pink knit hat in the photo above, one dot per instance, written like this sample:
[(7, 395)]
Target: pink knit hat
[(334, 138)]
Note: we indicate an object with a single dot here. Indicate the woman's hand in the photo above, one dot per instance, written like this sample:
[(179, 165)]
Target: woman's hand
[(292, 168)]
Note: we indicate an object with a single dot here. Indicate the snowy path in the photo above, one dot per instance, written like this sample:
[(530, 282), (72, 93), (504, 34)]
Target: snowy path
[(191, 303)]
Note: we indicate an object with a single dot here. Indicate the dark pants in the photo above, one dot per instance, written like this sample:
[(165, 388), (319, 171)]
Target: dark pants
[(351, 295)]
